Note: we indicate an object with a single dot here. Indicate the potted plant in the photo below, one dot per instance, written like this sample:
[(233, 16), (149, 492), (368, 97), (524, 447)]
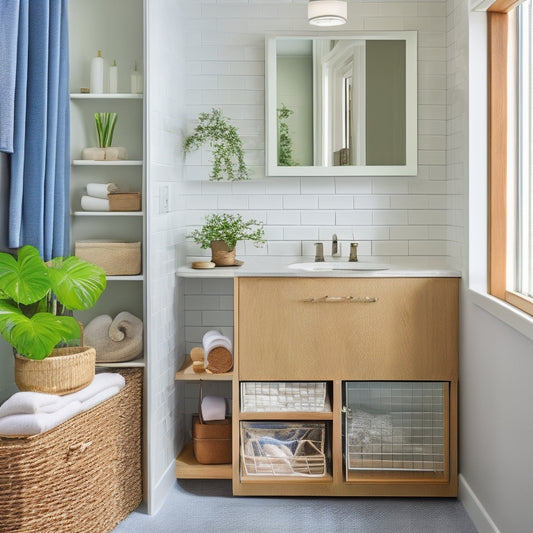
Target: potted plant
[(224, 139), (221, 232), (36, 299)]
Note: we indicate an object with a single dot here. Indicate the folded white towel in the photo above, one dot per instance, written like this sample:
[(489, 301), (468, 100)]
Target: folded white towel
[(88, 203), (101, 190), (100, 397), (32, 424), (214, 339), (104, 386), (213, 408), (101, 382), (31, 402)]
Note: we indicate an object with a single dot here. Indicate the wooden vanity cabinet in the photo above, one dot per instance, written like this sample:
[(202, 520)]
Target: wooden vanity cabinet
[(338, 330)]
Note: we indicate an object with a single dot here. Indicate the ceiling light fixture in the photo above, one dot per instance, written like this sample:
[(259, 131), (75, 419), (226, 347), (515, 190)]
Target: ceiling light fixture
[(327, 12)]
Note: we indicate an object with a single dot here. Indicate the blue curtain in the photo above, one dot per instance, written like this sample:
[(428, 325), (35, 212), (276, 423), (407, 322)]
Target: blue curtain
[(40, 164)]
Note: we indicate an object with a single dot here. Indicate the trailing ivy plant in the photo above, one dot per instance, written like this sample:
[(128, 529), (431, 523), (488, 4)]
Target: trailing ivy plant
[(224, 139), (228, 228), (285, 142)]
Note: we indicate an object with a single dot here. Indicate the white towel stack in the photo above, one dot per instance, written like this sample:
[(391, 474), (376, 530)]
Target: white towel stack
[(30, 413), (218, 356), (96, 197)]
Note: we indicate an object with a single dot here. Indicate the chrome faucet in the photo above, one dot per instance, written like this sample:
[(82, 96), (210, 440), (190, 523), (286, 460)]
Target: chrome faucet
[(353, 252), (319, 252)]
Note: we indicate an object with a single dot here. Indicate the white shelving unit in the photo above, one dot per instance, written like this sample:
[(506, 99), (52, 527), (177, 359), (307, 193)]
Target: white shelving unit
[(92, 28)]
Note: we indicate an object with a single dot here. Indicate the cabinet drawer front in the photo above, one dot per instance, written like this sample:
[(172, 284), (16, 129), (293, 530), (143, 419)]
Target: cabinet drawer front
[(374, 329)]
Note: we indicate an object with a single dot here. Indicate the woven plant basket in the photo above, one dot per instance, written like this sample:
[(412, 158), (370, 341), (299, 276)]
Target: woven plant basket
[(64, 371), (83, 476)]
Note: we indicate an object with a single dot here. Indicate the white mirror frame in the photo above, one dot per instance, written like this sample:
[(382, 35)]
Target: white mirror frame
[(411, 162)]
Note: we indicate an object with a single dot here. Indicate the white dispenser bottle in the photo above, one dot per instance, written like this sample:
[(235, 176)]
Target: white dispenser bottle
[(97, 74), (113, 77), (136, 81)]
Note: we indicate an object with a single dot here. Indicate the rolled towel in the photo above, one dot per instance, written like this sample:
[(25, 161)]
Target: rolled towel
[(213, 408), (101, 190), (218, 352), (88, 203), (33, 424), (115, 340), (31, 402)]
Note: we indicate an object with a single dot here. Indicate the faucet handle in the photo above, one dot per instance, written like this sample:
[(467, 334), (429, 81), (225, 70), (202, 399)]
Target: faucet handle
[(353, 252), (319, 252)]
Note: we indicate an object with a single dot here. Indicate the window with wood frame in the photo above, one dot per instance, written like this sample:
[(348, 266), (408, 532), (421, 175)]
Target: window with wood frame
[(511, 153)]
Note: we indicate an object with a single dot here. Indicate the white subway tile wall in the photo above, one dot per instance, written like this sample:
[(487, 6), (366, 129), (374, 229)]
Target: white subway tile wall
[(391, 217), (224, 68)]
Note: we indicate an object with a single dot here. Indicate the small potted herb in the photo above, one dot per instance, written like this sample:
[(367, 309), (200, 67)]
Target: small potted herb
[(224, 139), (221, 232)]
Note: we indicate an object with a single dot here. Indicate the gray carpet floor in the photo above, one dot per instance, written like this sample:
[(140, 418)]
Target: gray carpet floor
[(209, 507)]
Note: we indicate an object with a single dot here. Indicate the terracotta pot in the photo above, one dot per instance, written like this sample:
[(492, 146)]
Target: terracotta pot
[(221, 255)]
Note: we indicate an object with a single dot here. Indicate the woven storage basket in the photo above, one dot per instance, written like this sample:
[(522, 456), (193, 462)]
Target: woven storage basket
[(64, 371), (84, 476), (116, 258)]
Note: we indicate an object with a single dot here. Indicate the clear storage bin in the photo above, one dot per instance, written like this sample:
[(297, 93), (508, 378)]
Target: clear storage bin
[(283, 448), (394, 426)]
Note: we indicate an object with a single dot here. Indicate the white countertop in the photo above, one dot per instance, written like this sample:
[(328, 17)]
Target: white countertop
[(269, 266)]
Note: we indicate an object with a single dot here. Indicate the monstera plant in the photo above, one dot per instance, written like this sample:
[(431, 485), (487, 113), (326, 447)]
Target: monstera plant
[(37, 297)]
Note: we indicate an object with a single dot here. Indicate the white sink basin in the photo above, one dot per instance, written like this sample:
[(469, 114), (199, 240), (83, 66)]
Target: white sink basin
[(328, 266)]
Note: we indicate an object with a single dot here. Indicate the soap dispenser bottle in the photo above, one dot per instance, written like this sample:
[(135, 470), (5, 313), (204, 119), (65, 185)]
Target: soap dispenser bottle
[(97, 74), (113, 77), (136, 81)]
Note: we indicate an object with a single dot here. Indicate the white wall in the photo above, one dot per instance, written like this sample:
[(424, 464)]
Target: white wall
[(389, 216), (165, 237)]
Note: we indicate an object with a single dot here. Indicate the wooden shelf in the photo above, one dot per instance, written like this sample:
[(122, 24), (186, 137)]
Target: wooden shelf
[(285, 480), (187, 467), (284, 415), (186, 373), (122, 162)]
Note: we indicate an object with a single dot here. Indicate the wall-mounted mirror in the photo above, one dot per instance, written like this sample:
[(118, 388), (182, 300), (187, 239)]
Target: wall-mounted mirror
[(341, 105)]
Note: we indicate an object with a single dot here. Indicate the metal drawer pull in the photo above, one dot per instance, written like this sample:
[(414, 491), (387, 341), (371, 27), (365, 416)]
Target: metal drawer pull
[(341, 299)]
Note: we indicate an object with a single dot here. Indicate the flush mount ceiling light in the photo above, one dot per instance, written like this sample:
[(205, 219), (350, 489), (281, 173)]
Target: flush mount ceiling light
[(327, 12)]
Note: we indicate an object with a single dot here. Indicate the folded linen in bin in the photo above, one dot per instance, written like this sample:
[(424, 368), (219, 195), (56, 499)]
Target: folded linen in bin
[(213, 408)]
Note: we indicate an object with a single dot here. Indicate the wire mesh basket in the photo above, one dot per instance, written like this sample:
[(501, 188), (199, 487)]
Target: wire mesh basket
[(276, 396), (283, 448)]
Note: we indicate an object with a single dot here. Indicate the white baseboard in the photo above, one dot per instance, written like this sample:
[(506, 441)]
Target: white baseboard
[(475, 509), (160, 491)]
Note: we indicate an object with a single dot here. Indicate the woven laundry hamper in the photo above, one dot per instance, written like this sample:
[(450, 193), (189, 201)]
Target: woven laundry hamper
[(84, 476)]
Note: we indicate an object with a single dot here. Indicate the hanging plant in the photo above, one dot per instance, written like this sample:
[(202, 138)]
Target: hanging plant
[(285, 142), (225, 142)]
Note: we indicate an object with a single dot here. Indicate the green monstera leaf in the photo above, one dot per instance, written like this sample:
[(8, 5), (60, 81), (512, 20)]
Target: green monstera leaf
[(24, 280), (37, 336), (76, 283)]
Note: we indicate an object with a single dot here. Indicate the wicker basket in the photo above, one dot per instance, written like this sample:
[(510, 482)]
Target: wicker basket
[(64, 371), (115, 258), (283, 448), (84, 476)]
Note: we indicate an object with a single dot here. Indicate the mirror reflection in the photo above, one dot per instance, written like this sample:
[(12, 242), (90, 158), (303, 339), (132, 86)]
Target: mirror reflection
[(341, 105)]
